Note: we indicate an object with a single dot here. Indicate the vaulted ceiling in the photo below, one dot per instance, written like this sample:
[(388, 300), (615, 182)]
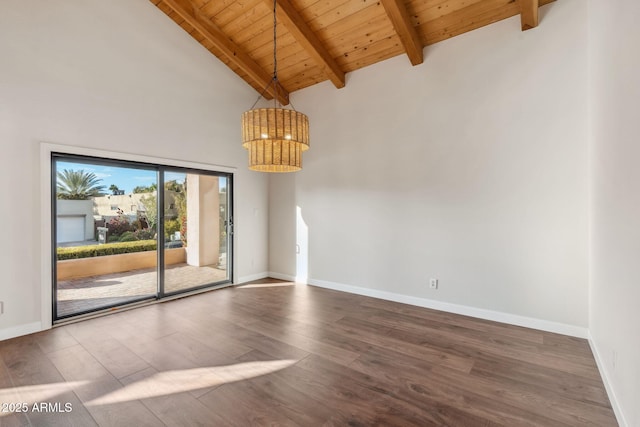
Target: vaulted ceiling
[(322, 40)]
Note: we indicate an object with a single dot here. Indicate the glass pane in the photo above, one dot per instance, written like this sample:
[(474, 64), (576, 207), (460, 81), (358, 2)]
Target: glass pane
[(106, 246), (195, 236)]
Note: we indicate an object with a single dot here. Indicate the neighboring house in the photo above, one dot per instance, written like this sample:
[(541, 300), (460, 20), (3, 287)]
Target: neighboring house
[(74, 221), (130, 204)]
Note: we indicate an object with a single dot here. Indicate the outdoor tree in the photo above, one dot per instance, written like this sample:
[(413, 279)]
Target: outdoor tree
[(150, 203), (174, 186), (181, 204), (78, 185), (142, 189), (151, 209), (179, 191), (114, 189)]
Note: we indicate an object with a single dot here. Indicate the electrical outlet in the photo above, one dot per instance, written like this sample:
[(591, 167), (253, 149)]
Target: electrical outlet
[(433, 283), (1, 307)]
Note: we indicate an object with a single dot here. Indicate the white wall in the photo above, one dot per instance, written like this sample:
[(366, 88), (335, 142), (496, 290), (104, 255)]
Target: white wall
[(117, 76), (615, 203), (470, 168)]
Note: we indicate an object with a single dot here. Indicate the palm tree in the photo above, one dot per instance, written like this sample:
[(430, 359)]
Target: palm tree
[(78, 185)]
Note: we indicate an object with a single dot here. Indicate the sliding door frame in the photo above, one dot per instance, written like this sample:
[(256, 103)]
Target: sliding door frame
[(50, 153), (229, 228), (88, 160)]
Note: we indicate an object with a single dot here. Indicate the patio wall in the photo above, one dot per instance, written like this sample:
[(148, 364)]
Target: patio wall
[(96, 266)]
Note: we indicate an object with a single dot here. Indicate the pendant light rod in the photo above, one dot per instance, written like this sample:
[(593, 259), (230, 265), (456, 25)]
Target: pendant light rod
[(276, 83), (275, 41)]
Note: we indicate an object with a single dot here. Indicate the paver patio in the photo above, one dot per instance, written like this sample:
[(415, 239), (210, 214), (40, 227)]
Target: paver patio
[(89, 293)]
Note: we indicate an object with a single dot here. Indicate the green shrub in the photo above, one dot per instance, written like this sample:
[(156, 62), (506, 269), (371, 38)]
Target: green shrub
[(128, 236), (106, 249), (171, 226), (146, 234)]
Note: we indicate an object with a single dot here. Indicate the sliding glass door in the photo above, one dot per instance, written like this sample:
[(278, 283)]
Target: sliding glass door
[(110, 219), (195, 230)]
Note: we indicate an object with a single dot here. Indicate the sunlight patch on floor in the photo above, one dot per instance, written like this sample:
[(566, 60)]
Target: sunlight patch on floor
[(179, 381)]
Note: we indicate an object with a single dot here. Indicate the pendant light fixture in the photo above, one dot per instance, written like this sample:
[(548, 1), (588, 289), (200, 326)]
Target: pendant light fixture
[(275, 137)]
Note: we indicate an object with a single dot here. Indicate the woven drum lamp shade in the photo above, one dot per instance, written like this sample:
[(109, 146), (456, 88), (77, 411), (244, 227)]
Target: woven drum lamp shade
[(275, 139)]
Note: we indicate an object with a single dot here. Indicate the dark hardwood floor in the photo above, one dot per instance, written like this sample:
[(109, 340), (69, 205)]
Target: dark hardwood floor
[(273, 353)]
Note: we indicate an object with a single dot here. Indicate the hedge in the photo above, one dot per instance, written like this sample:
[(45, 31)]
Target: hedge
[(106, 249)]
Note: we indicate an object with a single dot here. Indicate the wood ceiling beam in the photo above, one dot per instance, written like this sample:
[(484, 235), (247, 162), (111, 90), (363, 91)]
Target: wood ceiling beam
[(308, 39), (233, 52), (399, 16), (529, 14)]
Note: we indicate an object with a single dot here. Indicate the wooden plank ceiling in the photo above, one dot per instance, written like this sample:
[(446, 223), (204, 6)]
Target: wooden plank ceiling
[(322, 40)]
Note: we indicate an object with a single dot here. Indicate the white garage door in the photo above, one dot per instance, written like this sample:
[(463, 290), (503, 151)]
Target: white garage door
[(70, 229)]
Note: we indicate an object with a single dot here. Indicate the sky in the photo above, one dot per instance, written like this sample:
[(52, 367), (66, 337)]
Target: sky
[(124, 178)]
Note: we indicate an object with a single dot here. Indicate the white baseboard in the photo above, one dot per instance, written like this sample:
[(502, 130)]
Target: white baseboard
[(251, 277), (607, 383), (16, 331), (497, 316)]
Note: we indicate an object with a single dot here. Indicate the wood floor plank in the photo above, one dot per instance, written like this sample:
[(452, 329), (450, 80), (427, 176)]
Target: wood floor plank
[(173, 408), (237, 406), (179, 352), (420, 412), (420, 386), (498, 329), (127, 412), (91, 329), (302, 341), (37, 382), (383, 339), (275, 353), (263, 343), (10, 416), (283, 403), (55, 339), (208, 332), (546, 380), (533, 353), (523, 396), (76, 364), (354, 402), (114, 356)]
